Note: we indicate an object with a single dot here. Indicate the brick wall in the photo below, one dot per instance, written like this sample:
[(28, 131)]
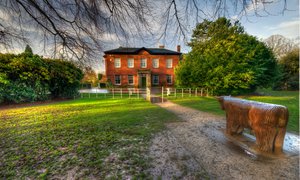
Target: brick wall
[(124, 70)]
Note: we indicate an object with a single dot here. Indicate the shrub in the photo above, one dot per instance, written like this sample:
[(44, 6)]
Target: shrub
[(64, 78), (17, 92), (27, 77)]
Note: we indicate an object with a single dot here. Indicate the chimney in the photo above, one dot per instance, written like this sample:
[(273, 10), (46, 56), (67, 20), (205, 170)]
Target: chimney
[(178, 48), (161, 46)]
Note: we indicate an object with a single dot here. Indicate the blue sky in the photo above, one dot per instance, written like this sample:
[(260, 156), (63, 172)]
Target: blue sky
[(286, 24)]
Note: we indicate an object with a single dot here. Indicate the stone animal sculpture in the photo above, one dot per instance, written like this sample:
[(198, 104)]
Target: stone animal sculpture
[(267, 121)]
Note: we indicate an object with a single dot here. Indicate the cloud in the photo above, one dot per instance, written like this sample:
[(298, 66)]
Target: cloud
[(288, 29), (289, 24)]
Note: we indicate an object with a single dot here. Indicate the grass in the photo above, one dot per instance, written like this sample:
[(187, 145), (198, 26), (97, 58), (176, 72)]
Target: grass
[(207, 104), (290, 99), (92, 138)]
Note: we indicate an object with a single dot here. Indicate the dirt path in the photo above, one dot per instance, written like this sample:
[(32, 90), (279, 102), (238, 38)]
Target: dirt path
[(197, 148)]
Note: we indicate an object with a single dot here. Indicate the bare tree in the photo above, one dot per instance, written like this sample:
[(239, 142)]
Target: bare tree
[(280, 45), (9, 34), (74, 27), (77, 27)]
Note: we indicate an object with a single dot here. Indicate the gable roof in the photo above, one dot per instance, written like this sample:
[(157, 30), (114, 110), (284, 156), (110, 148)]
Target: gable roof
[(153, 51)]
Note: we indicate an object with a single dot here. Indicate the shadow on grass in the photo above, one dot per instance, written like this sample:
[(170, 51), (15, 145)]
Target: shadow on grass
[(52, 141)]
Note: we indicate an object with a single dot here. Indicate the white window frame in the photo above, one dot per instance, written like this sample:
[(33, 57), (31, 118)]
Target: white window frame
[(130, 63), (132, 79), (117, 62), (155, 63), (169, 63), (168, 75), (143, 62), (153, 82), (116, 79)]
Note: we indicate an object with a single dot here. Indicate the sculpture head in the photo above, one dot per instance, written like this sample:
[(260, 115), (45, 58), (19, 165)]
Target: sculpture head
[(221, 101)]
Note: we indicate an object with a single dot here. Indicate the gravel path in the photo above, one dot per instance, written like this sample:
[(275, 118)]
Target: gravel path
[(197, 148)]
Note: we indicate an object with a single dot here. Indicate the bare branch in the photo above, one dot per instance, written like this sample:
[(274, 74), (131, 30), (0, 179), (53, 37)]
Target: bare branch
[(77, 27)]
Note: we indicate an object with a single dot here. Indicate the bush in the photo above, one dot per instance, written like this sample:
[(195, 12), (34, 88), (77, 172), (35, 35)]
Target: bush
[(27, 78), (17, 92), (64, 78), (289, 65)]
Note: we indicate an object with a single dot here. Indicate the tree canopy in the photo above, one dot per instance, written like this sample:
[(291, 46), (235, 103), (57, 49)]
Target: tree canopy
[(28, 50), (280, 45), (226, 60), (28, 77), (90, 77), (289, 65)]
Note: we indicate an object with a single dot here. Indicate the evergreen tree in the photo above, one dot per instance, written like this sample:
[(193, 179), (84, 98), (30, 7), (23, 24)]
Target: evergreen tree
[(226, 60), (28, 50)]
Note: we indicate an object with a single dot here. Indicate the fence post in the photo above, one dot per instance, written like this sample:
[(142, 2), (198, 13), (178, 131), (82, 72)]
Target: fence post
[(196, 92), (138, 93), (148, 95), (121, 93), (190, 92), (182, 93), (201, 92), (113, 93), (162, 94), (207, 92), (175, 93)]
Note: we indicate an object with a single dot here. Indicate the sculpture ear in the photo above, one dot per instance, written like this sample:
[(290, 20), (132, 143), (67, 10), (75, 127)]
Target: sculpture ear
[(219, 98)]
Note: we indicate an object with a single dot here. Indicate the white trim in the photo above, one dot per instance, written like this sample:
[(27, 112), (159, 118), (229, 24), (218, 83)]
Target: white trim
[(169, 63), (132, 60), (157, 60), (120, 80), (117, 65), (145, 59), (132, 79), (155, 75), (167, 75)]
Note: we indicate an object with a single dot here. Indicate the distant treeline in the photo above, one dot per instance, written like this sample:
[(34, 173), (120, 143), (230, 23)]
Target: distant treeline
[(27, 77)]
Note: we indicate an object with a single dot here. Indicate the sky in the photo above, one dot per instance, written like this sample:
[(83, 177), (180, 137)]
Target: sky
[(262, 26), (280, 22), (286, 24)]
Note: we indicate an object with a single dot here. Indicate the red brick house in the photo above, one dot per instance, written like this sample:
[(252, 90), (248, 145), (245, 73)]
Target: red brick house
[(141, 67)]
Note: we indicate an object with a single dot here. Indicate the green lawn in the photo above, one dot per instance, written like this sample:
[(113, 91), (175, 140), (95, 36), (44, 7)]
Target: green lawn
[(290, 99), (94, 138)]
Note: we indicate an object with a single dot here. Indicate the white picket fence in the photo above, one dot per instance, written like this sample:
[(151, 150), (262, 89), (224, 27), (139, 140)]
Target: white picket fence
[(146, 93), (184, 92), (113, 93)]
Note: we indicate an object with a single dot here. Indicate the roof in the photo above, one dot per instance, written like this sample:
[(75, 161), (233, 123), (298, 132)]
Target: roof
[(153, 51)]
